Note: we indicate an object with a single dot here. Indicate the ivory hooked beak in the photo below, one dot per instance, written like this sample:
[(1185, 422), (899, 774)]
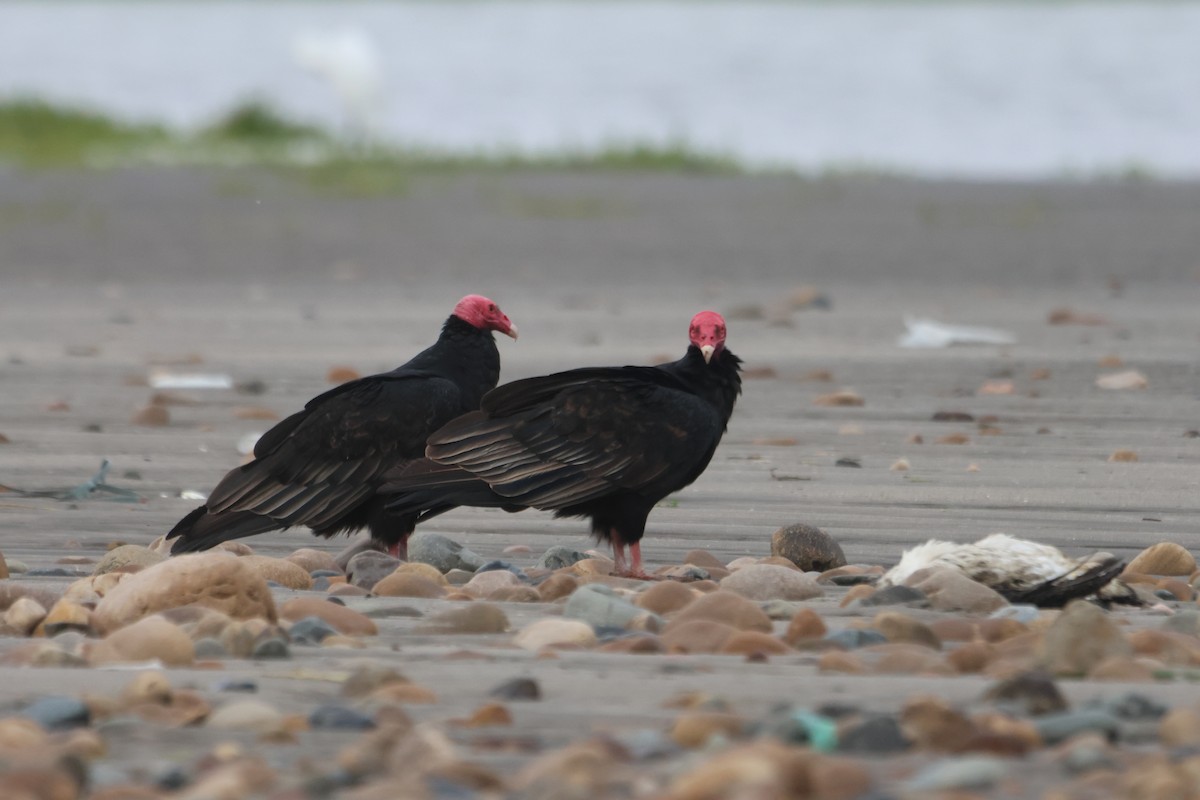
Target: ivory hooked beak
[(707, 351), (512, 331)]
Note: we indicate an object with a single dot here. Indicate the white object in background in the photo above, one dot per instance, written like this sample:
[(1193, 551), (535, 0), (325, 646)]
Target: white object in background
[(161, 379), (924, 332), (245, 445), (349, 61)]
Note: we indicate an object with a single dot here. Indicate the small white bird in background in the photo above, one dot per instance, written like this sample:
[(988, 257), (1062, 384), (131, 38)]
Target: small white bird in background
[(1021, 570), (349, 61)]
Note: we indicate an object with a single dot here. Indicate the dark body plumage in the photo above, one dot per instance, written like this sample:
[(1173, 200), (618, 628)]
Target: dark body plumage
[(607, 443), (321, 467)]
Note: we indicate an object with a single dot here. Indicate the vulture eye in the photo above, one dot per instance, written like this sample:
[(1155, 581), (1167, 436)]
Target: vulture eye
[(492, 307)]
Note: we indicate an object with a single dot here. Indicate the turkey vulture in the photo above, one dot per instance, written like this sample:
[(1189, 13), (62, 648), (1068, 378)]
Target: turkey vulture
[(604, 442), (321, 467)]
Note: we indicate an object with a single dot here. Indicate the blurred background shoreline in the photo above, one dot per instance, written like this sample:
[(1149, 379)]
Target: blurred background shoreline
[(978, 91)]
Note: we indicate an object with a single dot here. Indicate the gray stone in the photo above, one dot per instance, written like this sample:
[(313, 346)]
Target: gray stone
[(271, 647), (782, 609), (595, 604), (497, 565), (896, 595), (56, 713), (209, 647), (1186, 622), (853, 638), (334, 717), (1021, 612), (772, 582), (646, 743), (442, 553), (1055, 728), (852, 579), (965, 772), (560, 556), (687, 573), (369, 567), (310, 630), (808, 547), (1130, 706), (1030, 693), (1081, 637), (363, 544), (1085, 756), (517, 689), (238, 685), (383, 607), (168, 775), (127, 555), (459, 577), (875, 735)]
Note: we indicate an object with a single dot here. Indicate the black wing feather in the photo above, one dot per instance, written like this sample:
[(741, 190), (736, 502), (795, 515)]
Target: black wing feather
[(590, 438)]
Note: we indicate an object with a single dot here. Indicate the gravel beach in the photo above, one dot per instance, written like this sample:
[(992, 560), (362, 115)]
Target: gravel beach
[(110, 281)]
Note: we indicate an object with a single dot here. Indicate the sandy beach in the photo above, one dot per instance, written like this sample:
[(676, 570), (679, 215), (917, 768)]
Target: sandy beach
[(108, 277)]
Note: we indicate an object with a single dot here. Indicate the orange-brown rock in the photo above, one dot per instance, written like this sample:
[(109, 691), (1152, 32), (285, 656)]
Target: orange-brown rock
[(280, 570), (725, 607), (65, 615), (635, 645), (342, 619), (899, 627), (152, 416), (840, 661), (747, 643), (557, 586), (806, 626), (665, 597), (1164, 558), (1121, 668), (488, 714), (908, 659), (24, 615), (311, 559), (860, 592), (694, 728), (971, 657), (424, 570), (764, 769), (933, 724), (407, 584), (1180, 727), (954, 629), (148, 639), (697, 635), (213, 580)]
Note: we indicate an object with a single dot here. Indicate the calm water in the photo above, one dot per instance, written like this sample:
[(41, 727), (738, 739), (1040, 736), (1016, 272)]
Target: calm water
[(984, 90)]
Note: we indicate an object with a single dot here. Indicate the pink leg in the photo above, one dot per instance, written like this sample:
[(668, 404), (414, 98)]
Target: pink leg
[(635, 550), (399, 550), (619, 565), (618, 556)]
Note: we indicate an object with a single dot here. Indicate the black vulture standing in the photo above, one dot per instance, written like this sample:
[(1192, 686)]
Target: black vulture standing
[(322, 466), (604, 442)]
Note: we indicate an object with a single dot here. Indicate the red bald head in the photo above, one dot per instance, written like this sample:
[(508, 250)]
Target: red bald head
[(484, 314), (707, 332)]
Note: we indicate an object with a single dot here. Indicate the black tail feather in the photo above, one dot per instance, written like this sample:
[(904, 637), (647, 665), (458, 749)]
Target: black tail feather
[(200, 530), (1059, 591)]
